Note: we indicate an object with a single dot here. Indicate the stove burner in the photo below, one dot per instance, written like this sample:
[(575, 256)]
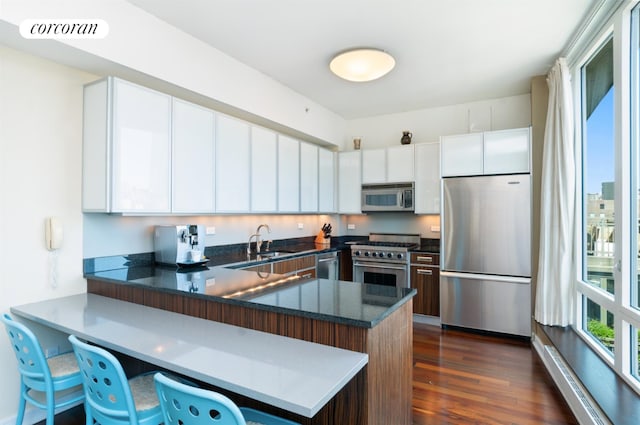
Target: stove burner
[(385, 248)]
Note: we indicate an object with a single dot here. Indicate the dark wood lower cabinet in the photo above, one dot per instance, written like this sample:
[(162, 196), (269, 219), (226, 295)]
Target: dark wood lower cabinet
[(346, 265), (380, 394), (425, 278)]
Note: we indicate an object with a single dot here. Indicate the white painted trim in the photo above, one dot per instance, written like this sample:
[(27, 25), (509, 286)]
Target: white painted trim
[(582, 405)]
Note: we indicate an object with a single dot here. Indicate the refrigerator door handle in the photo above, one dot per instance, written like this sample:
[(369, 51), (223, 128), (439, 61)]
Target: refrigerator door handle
[(496, 278)]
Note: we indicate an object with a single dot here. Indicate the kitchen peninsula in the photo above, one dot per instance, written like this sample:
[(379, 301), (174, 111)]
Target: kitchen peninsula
[(370, 319)]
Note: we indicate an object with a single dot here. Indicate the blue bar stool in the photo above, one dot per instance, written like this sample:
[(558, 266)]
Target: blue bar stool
[(112, 398), (42, 375), (186, 405)]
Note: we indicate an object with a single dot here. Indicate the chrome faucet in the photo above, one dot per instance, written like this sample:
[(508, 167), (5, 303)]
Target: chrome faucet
[(259, 241), (258, 235)]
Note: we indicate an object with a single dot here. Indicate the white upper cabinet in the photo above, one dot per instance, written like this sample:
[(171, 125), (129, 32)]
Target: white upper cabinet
[(96, 168), (264, 170), (374, 166), (326, 180), (506, 151), (462, 154), (288, 174), (126, 160), (389, 165), (193, 158), (232, 165), (349, 183), (141, 149), (491, 152), (427, 171), (308, 177), (400, 164), (145, 152)]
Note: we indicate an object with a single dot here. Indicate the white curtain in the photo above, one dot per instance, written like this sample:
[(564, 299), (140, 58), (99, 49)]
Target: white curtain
[(555, 285)]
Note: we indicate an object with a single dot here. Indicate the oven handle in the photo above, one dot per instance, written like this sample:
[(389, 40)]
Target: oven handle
[(378, 266)]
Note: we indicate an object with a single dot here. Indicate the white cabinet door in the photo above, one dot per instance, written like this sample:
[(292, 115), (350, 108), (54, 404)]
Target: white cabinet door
[(506, 151), (326, 181), (374, 166), (193, 158), (264, 170), (232, 165), (427, 170), (95, 147), (462, 154), (308, 177), (141, 163), (349, 183), (400, 163), (288, 174)]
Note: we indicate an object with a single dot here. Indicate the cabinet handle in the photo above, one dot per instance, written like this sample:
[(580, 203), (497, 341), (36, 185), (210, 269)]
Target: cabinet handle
[(425, 259), (306, 275), (425, 271)]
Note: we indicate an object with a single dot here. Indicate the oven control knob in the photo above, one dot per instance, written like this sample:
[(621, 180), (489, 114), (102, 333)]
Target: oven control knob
[(357, 253), (374, 254), (400, 256), (381, 254), (389, 255), (366, 254)]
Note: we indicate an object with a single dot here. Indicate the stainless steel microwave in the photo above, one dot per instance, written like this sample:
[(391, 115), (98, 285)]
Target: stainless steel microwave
[(387, 197)]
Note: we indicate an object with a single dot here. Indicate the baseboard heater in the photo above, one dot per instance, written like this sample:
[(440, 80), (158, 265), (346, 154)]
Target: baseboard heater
[(584, 408)]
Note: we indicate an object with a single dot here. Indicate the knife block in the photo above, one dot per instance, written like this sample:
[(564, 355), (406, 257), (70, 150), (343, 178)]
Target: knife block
[(320, 239)]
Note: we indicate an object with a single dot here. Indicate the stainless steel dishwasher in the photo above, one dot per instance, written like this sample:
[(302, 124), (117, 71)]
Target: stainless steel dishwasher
[(327, 265)]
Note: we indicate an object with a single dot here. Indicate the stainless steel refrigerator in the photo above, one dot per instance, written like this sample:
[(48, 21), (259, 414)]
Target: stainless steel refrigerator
[(485, 279)]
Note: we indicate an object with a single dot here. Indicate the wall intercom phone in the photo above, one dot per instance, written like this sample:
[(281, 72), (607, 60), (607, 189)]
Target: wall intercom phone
[(53, 233)]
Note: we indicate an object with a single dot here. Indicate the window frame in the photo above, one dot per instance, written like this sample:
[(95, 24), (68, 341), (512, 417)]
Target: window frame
[(626, 317)]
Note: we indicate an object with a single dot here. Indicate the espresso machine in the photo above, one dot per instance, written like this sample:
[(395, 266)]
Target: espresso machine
[(181, 245)]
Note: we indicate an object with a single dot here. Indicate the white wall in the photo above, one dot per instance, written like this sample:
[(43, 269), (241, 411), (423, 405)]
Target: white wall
[(427, 125), (391, 223), (177, 58), (40, 169), (106, 235)]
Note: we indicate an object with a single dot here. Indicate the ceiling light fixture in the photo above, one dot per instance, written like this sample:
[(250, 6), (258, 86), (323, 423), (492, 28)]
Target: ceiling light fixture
[(362, 65)]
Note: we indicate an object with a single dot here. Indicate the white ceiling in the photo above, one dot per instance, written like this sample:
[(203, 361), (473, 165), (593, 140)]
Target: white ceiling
[(447, 51)]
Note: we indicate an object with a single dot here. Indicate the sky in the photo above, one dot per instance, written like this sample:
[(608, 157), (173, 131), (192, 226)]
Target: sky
[(599, 148)]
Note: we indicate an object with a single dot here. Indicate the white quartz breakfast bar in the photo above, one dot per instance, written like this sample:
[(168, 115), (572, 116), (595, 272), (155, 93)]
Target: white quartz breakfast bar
[(291, 374)]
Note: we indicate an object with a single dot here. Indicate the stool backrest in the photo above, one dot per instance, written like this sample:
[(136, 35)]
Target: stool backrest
[(105, 384), (32, 363), (188, 405)]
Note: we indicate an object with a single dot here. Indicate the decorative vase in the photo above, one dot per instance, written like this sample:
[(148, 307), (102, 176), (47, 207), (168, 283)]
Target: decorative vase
[(406, 137)]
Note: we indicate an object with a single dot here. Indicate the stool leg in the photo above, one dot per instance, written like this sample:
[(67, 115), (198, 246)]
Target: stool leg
[(21, 403), (87, 414), (51, 407)]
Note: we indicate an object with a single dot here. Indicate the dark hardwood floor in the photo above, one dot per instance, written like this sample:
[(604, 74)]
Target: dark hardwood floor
[(466, 378)]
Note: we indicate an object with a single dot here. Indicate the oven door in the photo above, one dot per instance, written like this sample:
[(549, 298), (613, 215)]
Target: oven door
[(380, 274)]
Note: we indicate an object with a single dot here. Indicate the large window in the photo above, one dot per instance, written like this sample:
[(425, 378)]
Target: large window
[(608, 288), (598, 176)]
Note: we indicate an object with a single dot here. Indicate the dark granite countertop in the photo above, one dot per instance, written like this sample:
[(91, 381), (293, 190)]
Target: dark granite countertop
[(350, 303), (233, 256)]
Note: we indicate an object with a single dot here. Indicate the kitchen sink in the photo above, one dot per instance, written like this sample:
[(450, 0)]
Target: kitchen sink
[(269, 254)]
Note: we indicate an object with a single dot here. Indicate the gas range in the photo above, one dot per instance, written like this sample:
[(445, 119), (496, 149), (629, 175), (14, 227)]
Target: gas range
[(385, 248)]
